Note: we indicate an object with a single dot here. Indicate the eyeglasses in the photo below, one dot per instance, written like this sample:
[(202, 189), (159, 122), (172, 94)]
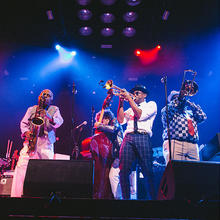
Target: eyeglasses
[(45, 95)]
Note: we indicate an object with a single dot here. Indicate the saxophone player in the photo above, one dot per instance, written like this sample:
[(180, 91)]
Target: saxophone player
[(38, 128)]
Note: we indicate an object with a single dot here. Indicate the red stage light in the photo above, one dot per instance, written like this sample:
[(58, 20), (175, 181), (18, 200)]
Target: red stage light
[(158, 47), (137, 52)]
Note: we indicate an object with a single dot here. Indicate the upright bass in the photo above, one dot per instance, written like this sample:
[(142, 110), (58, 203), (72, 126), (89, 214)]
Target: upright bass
[(101, 149)]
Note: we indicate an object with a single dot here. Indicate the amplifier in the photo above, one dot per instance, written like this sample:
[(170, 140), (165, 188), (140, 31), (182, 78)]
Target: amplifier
[(5, 185)]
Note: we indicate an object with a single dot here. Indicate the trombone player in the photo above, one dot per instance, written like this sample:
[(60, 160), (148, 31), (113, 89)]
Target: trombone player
[(183, 117), (38, 128)]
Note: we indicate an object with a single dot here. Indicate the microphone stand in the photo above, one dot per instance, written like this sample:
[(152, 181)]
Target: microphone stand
[(92, 120), (164, 80), (76, 139)]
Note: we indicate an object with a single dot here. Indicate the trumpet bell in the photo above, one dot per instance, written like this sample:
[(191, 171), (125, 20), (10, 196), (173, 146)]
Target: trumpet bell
[(190, 88), (109, 84), (113, 89)]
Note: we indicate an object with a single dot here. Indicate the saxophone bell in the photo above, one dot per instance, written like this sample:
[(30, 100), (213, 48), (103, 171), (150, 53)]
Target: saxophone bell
[(36, 124), (37, 121)]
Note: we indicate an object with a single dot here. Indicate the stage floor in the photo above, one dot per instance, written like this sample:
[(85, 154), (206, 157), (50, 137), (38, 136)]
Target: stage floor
[(47, 208)]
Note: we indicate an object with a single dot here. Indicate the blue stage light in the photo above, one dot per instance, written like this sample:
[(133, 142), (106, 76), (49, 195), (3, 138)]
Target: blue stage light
[(65, 55), (73, 53), (57, 47)]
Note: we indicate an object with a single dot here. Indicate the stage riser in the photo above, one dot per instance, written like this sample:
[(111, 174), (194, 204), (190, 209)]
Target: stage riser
[(108, 209)]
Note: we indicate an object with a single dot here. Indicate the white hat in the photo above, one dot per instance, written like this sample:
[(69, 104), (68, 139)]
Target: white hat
[(172, 94)]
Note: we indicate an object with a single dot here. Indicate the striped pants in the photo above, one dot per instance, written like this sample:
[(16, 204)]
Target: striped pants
[(136, 147), (180, 150)]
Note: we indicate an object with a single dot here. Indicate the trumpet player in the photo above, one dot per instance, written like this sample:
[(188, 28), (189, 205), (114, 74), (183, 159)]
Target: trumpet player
[(38, 128), (183, 117), (136, 145)]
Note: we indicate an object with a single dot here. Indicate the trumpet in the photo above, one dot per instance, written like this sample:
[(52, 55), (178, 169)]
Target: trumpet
[(115, 89)]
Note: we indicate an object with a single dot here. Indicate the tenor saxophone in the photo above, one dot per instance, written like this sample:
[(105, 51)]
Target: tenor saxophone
[(36, 124)]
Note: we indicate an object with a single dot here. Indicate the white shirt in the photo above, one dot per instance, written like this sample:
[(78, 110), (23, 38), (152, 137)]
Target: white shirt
[(54, 111), (145, 123)]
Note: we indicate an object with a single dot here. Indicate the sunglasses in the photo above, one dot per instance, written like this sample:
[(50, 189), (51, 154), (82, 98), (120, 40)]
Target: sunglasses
[(137, 93)]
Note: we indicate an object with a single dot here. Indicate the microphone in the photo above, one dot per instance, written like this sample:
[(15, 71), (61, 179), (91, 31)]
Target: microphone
[(74, 90), (163, 79), (83, 123)]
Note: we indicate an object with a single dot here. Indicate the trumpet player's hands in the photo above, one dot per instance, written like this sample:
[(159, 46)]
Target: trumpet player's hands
[(124, 95), (182, 95)]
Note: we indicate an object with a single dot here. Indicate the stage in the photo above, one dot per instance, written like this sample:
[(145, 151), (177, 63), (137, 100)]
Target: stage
[(54, 207)]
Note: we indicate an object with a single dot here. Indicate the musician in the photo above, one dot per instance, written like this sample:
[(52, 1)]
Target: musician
[(183, 117), (105, 149), (136, 145), (46, 138)]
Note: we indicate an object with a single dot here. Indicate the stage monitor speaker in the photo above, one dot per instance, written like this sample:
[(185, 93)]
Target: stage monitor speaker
[(190, 180), (66, 179), (5, 185), (210, 149), (216, 157)]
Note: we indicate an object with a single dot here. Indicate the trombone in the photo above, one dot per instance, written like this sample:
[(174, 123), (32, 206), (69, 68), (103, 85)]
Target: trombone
[(189, 87), (115, 89)]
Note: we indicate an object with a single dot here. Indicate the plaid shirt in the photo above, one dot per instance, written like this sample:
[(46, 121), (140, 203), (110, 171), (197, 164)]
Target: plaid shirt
[(178, 121)]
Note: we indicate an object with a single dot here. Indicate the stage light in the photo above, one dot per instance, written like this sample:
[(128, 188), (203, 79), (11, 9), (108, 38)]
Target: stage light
[(83, 2), (148, 56), (133, 2), (73, 53), (84, 14), (106, 46), (85, 31), (108, 2), (158, 47), (137, 52), (129, 31), (65, 56), (130, 16), (50, 15), (165, 15), (107, 32), (57, 47), (107, 17)]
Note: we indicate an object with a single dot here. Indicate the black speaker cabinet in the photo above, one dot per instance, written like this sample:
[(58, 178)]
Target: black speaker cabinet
[(190, 180), (64, 178)]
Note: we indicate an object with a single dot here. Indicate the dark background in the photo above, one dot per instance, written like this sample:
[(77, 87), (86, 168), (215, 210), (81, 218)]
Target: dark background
[(189, 39)]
